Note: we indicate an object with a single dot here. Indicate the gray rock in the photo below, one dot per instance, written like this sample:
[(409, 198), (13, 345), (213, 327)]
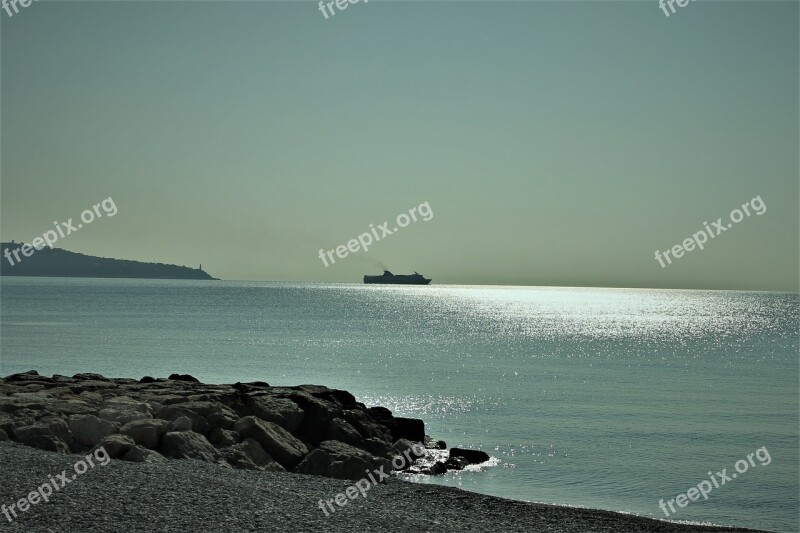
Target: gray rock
[(456, 463), (349, 462), (44, 427), (91, 397), (282, 411), (10, 426), (412, 429), (415, 450), (127, 403), (30, 375), (117, 445), (123, 415), (169, 399), (376, 447), (84, 376), (89, 429), (189, 445), (342, 431), (223, 437), (71, 406), (438, 468), (368, 426), (173, 412), (250, 455), (205, 408), (146, 433), (316, 463), (182, 423), (46, 442), (472, 456), (6, 423), (341, 398), (140, 454), (3, 436), (91, 386), (58, 427), (316, 415), (184, 377), (21, 407), (279, 443), (219, 420)]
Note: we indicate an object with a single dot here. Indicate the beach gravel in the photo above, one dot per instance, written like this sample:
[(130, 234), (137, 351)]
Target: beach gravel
[(191, 495)]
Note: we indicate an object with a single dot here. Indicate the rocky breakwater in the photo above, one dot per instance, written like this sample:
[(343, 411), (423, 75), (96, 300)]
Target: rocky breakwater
[(308, 429)]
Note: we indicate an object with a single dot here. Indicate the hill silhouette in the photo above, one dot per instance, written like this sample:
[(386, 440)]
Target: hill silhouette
[(57, 262)]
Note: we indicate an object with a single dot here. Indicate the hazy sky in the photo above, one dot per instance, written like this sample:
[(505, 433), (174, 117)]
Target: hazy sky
[(556, 143)]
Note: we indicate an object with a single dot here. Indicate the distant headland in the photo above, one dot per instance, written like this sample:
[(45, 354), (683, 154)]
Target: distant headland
[(20, 259)]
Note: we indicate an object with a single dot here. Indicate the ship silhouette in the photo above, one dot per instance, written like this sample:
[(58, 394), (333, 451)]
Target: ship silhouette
[(399, 279)]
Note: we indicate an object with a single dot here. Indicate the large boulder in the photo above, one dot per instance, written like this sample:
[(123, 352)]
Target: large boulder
[(58, 426), (71, 406), (406, 448), (205, 408), (340, 430), (140, 454), (282, 411), (127, 403), (456, 463), (49, 426), (340, 397), (471, 456), (249, 455), (86, 376), (276, 441), (89, 429), (376, 447), (146, 433), (6, 423), (222, 438), (316, 414), (316, 463), (29, 376), (15, 404), (168, 399), (412, 429), (117, 445), (10, 426), (182, 423), (188, 445), (221, 421), (91, 386), (437, 469), (123, 414), (45, 442), (175, 411), (349, 462), (382, 415), (342, 461), (368, 426), (184, 377)]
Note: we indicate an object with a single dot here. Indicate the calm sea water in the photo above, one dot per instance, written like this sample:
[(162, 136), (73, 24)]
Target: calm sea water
[(606, 398)]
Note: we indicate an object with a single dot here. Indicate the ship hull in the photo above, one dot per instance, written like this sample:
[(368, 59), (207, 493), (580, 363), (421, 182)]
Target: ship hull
[(396, 280)]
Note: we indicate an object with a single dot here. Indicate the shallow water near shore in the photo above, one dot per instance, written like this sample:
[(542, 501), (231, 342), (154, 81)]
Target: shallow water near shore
[(606, 398)]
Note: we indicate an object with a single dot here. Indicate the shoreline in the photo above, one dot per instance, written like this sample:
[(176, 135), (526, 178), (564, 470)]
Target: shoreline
[(253, 447)]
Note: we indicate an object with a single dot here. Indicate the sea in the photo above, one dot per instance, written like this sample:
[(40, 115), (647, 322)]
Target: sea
[(588, 397)]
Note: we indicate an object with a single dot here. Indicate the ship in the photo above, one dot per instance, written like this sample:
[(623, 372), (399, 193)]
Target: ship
[(399, 279)]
